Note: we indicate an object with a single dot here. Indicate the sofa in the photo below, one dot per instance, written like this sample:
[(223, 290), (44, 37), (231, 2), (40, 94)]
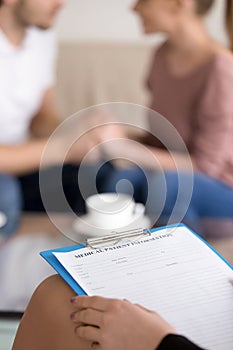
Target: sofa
[(93, 73)]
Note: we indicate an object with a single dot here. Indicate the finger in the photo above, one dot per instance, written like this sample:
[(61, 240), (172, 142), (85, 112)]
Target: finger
[(88, 316), (95, 346), (96, 302), (88, 333), (76, 324)]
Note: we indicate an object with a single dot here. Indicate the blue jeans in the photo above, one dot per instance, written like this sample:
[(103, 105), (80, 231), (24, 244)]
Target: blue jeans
[(170, 198)]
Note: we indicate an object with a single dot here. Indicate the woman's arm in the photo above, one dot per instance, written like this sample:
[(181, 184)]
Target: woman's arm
[(113, 324), (212, 136), (147, 156)]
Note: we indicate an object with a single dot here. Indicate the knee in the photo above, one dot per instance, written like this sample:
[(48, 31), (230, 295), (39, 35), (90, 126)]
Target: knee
[(46, 323), (53, 291), (50, 304), (9, 191), (10, 202), (169, 194), (131, 181)]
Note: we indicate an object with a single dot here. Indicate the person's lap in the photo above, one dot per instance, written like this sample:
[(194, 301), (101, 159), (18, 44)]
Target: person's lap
[(61, 191), (76, 182), (168, 198), (209, 200), (18, 194), (172, 198), (53, 181)]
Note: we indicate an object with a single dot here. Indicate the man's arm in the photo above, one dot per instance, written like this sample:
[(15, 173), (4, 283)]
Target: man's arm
[(21, 159), (47, 119), (26, 157)]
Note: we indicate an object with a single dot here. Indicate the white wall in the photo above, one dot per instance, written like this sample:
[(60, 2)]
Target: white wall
[(113, 20)]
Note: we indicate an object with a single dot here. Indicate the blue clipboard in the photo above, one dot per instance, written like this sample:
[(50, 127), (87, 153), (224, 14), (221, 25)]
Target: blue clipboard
[(53, 261)]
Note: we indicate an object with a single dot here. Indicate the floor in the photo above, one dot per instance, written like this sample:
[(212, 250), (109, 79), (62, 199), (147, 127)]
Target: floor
[(7, 333)]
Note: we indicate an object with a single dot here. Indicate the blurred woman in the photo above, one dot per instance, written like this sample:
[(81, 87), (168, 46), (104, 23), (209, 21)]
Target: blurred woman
[(191, 86)]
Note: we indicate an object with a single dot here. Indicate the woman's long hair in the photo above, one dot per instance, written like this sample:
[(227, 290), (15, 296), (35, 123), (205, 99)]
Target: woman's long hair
[(203, 6), (229, 21)]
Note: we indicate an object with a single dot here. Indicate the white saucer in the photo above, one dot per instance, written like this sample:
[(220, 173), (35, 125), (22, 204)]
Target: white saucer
[(84, 228)]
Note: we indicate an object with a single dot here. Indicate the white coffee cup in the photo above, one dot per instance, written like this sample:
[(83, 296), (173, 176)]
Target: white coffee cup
[(3, 219), (112, 210)]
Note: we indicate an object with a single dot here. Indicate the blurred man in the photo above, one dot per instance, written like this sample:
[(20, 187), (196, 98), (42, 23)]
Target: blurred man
[(27, 54)]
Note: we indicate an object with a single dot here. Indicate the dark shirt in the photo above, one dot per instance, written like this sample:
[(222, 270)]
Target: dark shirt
[(173, 341)]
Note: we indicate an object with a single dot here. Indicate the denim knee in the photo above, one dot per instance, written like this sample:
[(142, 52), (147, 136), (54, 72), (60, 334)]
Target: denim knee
[(10, 203), (132, 181), (169, 196)]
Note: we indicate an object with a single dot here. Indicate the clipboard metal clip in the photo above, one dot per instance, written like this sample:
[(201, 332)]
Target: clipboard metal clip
[(115, 237)]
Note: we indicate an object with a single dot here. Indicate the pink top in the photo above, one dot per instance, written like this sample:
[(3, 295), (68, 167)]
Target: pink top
[(200, 107)]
